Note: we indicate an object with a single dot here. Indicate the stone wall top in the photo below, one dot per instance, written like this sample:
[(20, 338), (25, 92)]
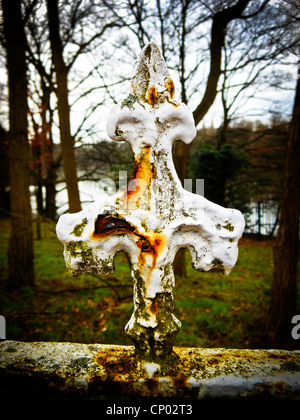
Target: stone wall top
[(109, 370)]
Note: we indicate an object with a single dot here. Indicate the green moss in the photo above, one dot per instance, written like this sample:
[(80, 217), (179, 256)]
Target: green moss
[(290, 366), (88, 260), (139, 284), (80, 362), (76, 247), (217, 266), (107, 266), (118, 132), (144, 225), (143, 78), (229, 227), (78, 229), (129, 101)]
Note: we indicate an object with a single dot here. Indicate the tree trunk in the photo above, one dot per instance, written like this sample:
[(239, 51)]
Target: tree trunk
[(67, 144), (20, 250), (49, 163), (286, 250), (218, 34)]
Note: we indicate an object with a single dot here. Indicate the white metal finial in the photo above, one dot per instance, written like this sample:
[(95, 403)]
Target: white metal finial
[(154, 216)]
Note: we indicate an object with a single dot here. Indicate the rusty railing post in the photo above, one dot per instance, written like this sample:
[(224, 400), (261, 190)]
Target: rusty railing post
[(154, 215)]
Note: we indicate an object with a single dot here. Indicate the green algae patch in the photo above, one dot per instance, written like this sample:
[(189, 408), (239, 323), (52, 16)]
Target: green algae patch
[(86, 259), (79, 247), (78, 229), (229, 227), (129, 101)]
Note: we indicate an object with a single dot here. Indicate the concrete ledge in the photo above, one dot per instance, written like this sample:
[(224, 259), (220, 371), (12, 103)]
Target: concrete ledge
[(109, 370)]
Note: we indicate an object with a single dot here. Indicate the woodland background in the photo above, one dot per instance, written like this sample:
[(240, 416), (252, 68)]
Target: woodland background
[(64, 64)]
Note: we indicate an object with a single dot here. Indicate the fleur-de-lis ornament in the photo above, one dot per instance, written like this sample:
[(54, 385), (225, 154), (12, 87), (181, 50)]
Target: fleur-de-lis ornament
[(154, 216)]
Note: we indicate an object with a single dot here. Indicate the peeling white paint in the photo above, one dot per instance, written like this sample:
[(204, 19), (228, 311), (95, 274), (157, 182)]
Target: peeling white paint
[(151, 368), (159, 216)]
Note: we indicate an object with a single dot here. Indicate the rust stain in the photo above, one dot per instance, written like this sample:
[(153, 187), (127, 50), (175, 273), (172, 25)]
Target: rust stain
[(281, 386), (170, 86), (151, 244), (133, 188), (116, 362), (123, 369), (153, 247), (136, 194), (106, 225), (152, 95), (154, 307), (140, 180), (180, 381)]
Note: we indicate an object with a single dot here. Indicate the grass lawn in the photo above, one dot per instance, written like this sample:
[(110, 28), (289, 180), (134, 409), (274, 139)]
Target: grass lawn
[(215, 310)]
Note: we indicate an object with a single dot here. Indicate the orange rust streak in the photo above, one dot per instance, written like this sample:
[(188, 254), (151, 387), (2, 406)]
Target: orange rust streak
[(154, 307), (134, 189), (151, 244), (157, 241), (170, 86), (152, 95), (106, 225), (140, 179)]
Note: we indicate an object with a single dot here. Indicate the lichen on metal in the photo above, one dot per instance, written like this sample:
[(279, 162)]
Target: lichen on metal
[(154, 216), (109, 370)]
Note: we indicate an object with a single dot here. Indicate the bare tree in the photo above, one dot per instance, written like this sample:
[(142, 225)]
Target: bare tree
[(66, 140), (81, 26), (286, 251), (20, 251)]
